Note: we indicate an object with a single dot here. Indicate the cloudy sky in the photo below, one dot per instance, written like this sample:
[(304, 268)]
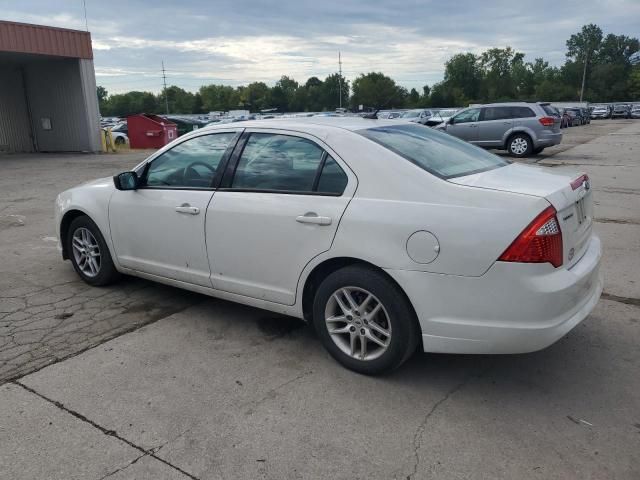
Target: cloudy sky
[(236, 42)]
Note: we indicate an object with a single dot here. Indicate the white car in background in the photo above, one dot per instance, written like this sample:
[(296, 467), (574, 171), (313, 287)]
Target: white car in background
[(385, 235)]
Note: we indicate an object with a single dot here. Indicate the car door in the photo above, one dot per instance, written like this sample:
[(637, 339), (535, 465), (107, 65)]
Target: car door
[(465, 125), (494, 123), (278, 207), (159, 228)]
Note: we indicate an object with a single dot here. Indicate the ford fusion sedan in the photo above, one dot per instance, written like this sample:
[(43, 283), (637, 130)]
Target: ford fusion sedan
[(385, 235)]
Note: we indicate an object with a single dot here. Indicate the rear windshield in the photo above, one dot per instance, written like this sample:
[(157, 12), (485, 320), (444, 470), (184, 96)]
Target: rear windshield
[(436, 152), (549, 110)]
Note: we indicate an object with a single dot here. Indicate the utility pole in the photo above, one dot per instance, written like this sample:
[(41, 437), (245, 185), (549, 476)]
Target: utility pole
[(340, 77), (164, 79), (584, 74)]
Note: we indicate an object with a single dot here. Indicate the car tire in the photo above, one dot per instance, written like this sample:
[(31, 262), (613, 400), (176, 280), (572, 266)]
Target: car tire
[(388, 309), (89, 253), (520, 145), (119, 141)]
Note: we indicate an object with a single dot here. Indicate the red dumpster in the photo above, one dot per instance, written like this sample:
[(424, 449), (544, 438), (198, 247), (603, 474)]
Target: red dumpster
[(150, 131)]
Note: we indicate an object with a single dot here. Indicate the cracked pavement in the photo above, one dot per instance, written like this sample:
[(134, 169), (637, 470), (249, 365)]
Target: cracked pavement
[(144, 381)]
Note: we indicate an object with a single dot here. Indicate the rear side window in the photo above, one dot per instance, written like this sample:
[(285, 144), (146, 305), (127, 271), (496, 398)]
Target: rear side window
[(523, 112), (549, 110), (333, 180), (497, 113), (436, 152)]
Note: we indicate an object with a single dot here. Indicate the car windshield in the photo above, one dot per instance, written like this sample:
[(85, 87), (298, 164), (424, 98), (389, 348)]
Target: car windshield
[(436, 152), (411, 114)]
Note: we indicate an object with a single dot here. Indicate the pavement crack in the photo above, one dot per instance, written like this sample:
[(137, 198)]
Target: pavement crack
[(125, 467), (111, 433), (417, 436)]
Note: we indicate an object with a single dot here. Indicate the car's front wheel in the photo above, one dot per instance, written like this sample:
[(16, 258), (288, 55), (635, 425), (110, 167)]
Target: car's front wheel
[(89, 253), (520, 145), (364, 320)]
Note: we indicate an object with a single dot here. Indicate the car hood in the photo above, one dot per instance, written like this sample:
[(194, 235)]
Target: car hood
[(553, 185)]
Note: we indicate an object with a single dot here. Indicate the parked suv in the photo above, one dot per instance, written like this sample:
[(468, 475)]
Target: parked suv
[(521, 128), (635, 111), (601, 111), (621, 111)]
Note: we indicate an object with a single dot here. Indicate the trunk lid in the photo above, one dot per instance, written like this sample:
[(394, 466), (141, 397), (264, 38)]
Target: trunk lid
[(574, 204)]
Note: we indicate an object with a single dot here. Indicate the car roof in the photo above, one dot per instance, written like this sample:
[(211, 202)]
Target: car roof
[(344, 123)]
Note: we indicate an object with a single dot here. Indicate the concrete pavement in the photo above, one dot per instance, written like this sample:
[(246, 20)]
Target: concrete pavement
[(209, 389)]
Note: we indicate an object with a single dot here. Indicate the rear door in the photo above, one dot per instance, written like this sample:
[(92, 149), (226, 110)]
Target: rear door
[(465, 125), (278, 207), (494, 123)]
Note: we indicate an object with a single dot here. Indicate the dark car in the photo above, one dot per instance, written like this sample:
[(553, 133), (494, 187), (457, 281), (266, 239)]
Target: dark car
[(576, 116), (586, 115), (185, 124)]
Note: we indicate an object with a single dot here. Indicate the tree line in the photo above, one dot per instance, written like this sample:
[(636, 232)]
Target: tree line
[(497, 74)]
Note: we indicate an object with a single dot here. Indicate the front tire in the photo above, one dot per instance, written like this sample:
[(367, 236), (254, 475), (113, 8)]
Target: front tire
[(89, 253), (364, 320), (520, 145)]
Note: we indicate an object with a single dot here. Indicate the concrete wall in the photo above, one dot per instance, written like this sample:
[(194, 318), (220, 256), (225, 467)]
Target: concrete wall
[(15, 131)]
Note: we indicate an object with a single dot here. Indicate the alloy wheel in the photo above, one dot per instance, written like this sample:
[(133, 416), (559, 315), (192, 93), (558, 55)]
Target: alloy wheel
[(519, 146), (358, 323), (86, 252)]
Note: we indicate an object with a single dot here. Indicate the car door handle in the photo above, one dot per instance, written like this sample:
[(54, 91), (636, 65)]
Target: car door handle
[(313, 219), (186, 208)]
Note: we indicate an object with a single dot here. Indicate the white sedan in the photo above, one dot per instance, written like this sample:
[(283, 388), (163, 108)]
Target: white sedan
[(384, 235)]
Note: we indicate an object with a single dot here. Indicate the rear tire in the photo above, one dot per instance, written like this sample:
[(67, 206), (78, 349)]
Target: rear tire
[(520, 145), (375, 312), (89, 253)]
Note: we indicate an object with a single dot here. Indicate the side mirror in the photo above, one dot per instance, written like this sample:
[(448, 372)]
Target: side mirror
[(452, 120), (126, 181)]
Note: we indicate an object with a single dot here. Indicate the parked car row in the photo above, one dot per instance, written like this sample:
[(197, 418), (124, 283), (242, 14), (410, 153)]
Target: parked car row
[(618, 110), (574, 116)]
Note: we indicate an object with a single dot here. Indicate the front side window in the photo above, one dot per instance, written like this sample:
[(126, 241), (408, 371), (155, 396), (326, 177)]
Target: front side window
[(436, 152), (190, 164), (468, 116), (277, 162)]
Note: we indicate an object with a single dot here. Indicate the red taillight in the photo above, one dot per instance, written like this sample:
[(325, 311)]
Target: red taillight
[(547, 121), (540, 242), (577, 183)]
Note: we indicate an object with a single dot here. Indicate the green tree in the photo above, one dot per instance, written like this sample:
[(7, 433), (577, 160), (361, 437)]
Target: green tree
[(464, 73), (376, 90), (180, 101), (583, 46), (331, 88), (634, 82)]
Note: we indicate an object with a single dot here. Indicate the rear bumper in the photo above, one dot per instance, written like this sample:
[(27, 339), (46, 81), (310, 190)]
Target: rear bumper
[(547, 139), (512, 308)]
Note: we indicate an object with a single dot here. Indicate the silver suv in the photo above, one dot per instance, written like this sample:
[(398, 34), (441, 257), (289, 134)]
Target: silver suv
[(521, 128)]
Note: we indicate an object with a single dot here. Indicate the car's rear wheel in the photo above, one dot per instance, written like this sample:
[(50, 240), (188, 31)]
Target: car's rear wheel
[(119, 141), (89, 253), (364, 320), (520, 145)]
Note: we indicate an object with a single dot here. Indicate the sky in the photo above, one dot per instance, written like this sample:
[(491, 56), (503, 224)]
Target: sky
[(238, 42)]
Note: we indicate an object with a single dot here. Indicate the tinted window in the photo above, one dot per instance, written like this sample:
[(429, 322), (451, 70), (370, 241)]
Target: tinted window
[(191, 164), (549, 110), (332, 179), (467, 116), (497, 113), (277, 162), (436, 152), (523, 112)]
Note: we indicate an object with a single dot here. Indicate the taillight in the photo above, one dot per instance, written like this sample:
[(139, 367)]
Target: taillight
[(547, 121), (540, 242)]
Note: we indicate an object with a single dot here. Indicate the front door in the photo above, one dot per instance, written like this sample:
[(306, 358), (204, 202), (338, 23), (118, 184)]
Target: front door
[(159, 228), (465, 125), (280, 209)]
